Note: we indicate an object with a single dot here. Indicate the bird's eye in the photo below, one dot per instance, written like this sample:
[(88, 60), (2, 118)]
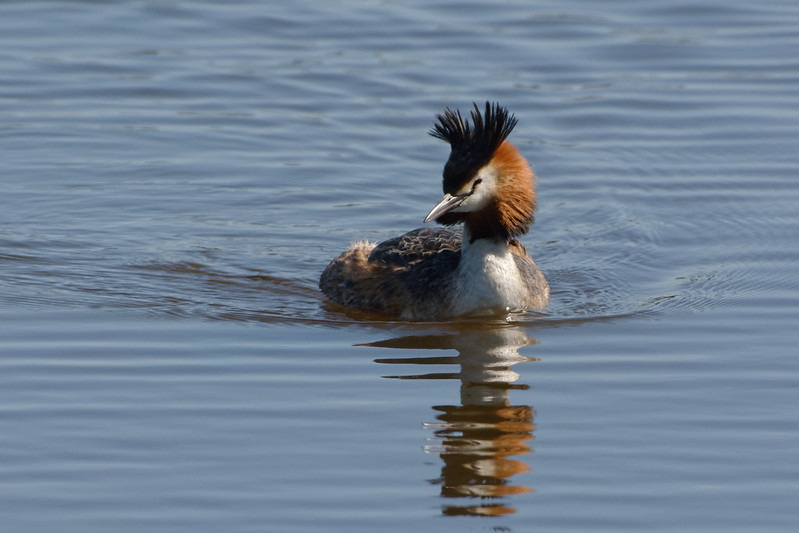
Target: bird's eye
[(476, 182)]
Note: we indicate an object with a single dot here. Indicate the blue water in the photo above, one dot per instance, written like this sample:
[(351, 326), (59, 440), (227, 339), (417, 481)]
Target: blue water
[(175, 176)]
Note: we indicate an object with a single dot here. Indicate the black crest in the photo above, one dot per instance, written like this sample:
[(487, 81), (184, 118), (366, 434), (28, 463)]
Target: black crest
[(473, 144)]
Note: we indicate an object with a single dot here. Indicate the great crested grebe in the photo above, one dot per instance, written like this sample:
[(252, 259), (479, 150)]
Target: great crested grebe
[(438, 273)]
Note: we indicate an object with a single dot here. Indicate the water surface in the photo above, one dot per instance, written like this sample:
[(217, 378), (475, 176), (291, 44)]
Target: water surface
[(175, 176)]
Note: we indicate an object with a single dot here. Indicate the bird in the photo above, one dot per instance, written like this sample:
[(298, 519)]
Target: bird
[(440, 273)]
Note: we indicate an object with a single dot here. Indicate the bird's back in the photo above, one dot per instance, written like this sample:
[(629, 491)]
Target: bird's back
[(408, 276)]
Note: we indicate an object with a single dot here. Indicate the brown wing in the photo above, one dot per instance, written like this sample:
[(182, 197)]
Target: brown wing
[(415, 246), (406, 276)]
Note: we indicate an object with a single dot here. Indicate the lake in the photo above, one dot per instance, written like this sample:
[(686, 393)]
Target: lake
[(176, 175)]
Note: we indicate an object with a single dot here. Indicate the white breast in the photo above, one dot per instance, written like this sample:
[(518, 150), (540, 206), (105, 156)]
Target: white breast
[(487, 277)]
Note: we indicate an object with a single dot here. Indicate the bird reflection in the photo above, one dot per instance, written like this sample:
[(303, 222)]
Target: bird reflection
[(477, 439)]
